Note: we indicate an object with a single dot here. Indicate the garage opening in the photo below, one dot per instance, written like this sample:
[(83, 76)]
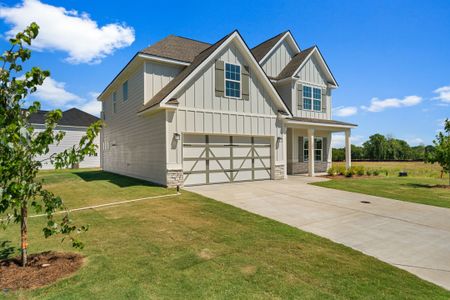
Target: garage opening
[(211, 159)]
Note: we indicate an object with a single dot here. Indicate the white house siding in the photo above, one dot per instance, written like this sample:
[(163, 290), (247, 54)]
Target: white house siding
[(200, 111), (279, 58), (71, 138), (158, 75), (311, 74), (134, 145), (294, 166)]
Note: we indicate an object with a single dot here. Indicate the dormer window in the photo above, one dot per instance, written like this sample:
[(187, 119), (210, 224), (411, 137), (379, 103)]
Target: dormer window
[(232, 80)]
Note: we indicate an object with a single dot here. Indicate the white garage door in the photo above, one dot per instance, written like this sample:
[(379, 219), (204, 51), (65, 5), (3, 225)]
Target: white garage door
[(215, 159)]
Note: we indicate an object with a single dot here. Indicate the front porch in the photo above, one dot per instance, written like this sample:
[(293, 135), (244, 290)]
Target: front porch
[(305, 157)]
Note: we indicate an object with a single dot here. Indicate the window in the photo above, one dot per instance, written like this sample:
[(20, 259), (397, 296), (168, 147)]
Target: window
[(312, 98), (125, 91), (114, 98), (232, 80), (317, 95), (318, 149), (307, 94)]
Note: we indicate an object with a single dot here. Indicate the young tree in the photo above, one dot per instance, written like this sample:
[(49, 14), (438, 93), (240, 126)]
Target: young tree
[(441, 152), (20, 147)]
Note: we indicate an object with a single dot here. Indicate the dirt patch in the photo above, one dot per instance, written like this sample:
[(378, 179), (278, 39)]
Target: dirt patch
[(42, 269), (206, 254), (248, 270)]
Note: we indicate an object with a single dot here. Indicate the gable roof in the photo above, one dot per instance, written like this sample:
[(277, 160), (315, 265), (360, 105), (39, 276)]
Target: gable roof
[(70, 117), (168, 90), (177, 48), (294, 64), (262, 49), (293, 67)]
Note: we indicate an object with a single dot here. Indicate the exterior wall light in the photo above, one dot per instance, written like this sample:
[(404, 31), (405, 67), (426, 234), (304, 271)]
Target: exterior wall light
[(176, 136), (279, 139)]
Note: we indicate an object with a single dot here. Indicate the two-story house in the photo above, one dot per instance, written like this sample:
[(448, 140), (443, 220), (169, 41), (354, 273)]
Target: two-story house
[(185, 112)]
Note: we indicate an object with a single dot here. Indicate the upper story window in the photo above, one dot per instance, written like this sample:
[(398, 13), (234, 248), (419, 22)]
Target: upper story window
[(232, 80), (312, 98), (114, 102), (125, 91)]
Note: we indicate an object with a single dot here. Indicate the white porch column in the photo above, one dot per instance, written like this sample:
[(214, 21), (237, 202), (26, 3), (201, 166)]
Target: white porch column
[(311, 152), (348, 149)]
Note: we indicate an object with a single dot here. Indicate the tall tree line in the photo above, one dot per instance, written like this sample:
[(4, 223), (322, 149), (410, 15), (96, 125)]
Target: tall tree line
[(380, 147)]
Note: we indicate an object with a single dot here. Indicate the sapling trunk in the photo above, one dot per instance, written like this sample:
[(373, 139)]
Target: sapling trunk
[(24, 234)]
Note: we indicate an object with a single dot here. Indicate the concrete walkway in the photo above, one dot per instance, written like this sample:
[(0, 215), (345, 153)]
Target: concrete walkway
[(413, 237)]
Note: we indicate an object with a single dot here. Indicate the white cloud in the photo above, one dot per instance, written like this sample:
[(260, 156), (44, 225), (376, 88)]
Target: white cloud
[(342, 111), (92, 106), (55, 93), (338, 140), (415, 141), (443, 94), (377, 105), (67, 30)]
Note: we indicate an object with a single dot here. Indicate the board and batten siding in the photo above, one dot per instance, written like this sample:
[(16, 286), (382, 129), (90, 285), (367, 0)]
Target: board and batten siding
[(311, 74), (158, 75), (200, 111), (71, 138), (134, 145), (279, 58)]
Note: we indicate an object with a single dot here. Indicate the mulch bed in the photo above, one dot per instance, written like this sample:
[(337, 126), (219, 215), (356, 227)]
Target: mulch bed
[(353, 177), (42, 269), (441, 186)]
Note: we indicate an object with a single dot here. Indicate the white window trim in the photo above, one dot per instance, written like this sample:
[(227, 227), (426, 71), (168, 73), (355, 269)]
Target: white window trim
[(312, 97), (225, 80), (305, 139)]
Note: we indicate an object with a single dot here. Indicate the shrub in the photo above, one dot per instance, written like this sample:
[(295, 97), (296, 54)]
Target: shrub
[(349, 173), (369, 172), (332, 171), (376, 172), (359, 170), (341, 170)]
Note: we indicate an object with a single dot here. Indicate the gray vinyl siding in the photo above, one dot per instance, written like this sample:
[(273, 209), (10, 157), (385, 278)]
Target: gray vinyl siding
[(279, 58), (285, 91), (310, 74), (71, 138), (158, 75), (200, 111), (134, 145)]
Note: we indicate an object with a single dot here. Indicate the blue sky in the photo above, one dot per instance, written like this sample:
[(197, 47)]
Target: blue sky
[(391, 58)]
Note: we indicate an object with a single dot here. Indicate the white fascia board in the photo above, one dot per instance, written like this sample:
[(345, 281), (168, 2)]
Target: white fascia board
[(322, 61), (290, 40), (162, 59)]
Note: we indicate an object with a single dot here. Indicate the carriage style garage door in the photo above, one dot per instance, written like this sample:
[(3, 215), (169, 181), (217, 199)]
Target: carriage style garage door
[(215, 159)]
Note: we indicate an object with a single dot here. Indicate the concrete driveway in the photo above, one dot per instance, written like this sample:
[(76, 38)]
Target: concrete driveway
[(410, 236)]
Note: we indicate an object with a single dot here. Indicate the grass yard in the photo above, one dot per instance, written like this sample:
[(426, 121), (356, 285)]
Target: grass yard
[(193, 247), (418, 187)]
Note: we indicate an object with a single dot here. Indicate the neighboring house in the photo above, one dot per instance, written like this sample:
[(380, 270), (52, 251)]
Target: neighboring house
[(188, 112), (74, 123)]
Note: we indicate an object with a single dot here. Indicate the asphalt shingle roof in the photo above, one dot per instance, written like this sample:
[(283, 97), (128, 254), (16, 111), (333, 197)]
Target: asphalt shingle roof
[(168, 88), (176, 47), (71, 117), (321, 121), (262, 49), (295, 62)]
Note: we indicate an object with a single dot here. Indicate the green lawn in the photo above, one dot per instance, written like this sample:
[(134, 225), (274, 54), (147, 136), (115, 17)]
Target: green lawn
[(193, 247), (418, 187)]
